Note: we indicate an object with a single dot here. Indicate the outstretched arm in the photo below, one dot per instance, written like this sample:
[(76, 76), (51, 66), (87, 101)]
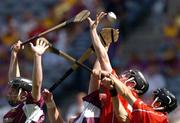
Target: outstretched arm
[(14, 66), (53, 113), (101, 53), (94, 83), (38, 49)]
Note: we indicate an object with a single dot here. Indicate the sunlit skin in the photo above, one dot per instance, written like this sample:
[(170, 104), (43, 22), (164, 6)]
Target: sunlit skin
[(123, 79), (14, 97), (130, 84), (128, 81)]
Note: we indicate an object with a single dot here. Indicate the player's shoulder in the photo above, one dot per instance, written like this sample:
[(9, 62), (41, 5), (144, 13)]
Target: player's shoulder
[(13, 113), (159, 116), (162, 114)]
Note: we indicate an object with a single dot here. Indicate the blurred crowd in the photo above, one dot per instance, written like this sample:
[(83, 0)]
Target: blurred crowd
[(22, 20)]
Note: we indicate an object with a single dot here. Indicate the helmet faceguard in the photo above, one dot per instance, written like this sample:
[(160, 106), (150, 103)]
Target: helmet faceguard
[(18, 85), (168, 101), (20, 82), (135, 76)]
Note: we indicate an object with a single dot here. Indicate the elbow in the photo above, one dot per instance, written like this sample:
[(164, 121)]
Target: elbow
[(37, 82), (37, 85)]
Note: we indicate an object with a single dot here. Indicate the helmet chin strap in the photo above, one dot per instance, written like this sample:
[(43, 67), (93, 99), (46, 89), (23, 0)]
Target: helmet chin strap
[(21, 98), (20, 90), (156, 108)]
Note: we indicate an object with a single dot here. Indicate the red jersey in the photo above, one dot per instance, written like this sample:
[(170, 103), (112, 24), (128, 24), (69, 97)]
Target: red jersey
[(18, 114), (142, 113), (107, 113)]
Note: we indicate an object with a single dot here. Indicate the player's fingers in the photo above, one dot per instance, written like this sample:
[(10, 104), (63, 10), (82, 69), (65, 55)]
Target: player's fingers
[(41, 41), (31, 44), (37, 41), (89, 20), (46, 47), (45, 41), (102, 14), (19, 42), (22, 47)]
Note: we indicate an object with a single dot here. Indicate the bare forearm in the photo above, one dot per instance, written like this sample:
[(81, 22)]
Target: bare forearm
[(37, 77), (123, 90), (14, 67), (54, 116), (94, 83), (53, 113), (100, 51), (120, 112)]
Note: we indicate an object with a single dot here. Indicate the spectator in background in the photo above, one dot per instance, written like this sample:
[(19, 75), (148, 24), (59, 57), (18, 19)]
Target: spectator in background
[(62, 8), (158, 11), (155, 79), (170, 29), (11, 34), (9, 20), (77, 7), (28, 23), (177, 20), (37, 29), (135, 61)]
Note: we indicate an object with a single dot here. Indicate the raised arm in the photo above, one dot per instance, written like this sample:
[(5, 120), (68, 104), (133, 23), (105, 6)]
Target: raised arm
[(101, 53), (38, 49), (54, 114), (94, 83), (14, 66)]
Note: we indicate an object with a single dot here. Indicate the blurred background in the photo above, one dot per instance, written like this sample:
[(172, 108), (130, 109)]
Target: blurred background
[(149, 40)]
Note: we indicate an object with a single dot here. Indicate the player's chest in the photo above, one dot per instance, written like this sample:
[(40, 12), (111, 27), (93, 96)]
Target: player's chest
[(14, 116)]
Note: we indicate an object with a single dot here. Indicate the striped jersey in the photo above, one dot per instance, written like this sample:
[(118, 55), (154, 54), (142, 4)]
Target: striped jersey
[(142, 113), (29, 112)]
